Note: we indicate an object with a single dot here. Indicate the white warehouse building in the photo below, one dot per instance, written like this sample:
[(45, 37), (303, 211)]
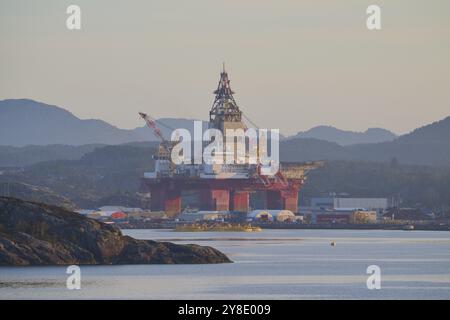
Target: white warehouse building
[(377, 204), (271, 215)]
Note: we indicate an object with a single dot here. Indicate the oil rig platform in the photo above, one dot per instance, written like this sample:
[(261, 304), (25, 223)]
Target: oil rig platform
[(224, 187)]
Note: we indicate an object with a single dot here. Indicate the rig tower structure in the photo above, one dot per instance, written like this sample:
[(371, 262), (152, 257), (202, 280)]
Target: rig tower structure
[(223, 187)]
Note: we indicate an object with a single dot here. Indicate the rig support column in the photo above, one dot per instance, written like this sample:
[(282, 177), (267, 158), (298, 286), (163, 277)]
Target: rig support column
[(274, 200), (220, 199), (240, 201), (290, 202), (172, 203), (156, 199), (215, 199), (167, 200)]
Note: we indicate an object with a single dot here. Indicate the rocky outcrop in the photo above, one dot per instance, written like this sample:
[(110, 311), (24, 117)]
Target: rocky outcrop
[(39, 234)]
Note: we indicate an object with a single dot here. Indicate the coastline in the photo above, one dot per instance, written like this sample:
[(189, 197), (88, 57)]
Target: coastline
[(336, 226)]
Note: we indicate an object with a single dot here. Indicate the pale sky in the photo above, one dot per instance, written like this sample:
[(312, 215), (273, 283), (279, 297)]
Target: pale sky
[(293, 64)]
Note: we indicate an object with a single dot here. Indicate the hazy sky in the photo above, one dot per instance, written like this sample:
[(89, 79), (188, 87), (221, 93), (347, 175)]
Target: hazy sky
[(293, 64)]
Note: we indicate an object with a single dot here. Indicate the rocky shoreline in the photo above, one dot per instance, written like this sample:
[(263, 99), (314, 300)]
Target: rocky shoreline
[(39, 234)]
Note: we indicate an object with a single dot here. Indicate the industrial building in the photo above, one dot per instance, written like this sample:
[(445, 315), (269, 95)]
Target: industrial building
[(116, 213), (377, 204), (345, 210)]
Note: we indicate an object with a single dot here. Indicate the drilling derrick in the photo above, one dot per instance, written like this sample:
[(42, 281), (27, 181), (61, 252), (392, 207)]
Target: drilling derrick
[(225, 113)]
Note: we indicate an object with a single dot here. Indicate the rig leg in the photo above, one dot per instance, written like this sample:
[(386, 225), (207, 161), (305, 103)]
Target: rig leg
[(156, 199), (215, 199), (291, 202), (274, 200), (240, 201), (172, 203), (166, 200), (221, 200)]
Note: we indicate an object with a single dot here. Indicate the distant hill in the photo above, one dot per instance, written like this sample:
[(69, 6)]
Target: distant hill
[(24, 156), (311, 149), (167, 125), (27, 122), (345, 138), (428, 145), (414, 185), (30, 192), (435, 133)]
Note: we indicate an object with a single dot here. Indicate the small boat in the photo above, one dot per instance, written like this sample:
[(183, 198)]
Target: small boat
[(333, 243)]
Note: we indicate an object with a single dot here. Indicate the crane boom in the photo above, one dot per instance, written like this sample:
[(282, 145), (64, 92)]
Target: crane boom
[(152, 125), (164, 164)]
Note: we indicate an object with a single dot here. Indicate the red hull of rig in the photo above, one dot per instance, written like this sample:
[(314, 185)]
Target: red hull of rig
[(221, 194)]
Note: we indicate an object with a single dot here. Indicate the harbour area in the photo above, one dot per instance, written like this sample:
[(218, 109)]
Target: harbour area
[(289, 226), (358, 214)]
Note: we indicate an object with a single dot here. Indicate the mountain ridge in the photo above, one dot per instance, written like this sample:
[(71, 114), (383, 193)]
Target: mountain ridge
[(45, 124), (427, 145), (28, 122), (346, 137)]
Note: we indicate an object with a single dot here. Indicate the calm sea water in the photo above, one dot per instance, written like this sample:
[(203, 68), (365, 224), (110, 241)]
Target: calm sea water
[(272, 264)]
